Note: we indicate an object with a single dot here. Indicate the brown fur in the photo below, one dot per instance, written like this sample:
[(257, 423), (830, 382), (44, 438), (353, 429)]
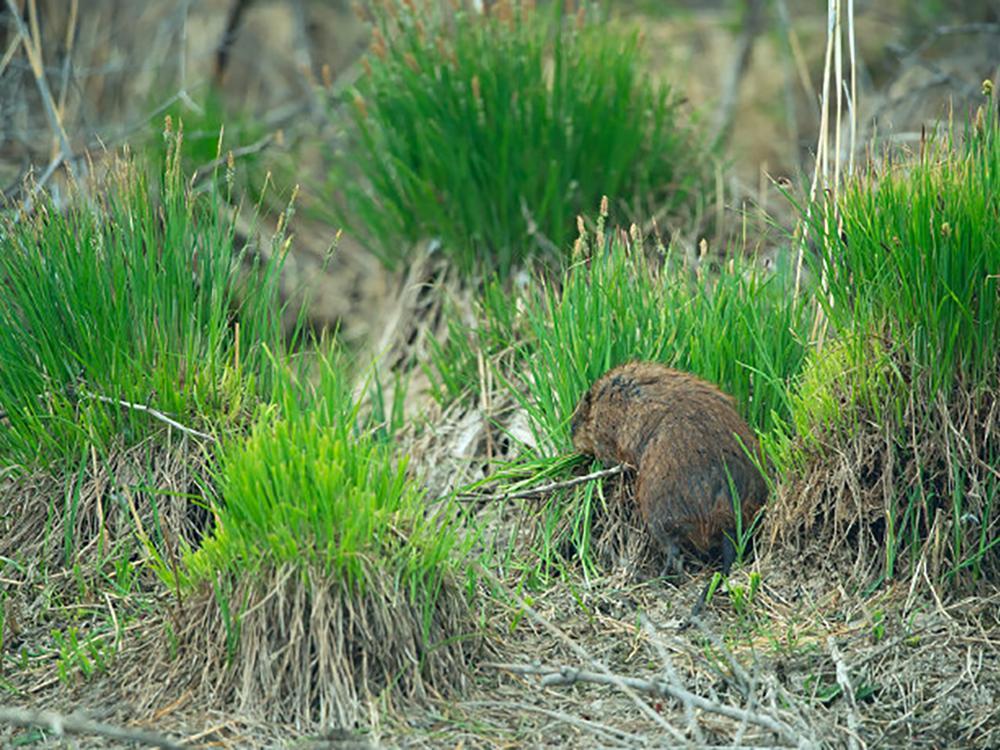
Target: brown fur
[(679, 432)]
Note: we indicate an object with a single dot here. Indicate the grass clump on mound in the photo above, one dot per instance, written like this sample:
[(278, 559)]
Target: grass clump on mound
[(129, 295), (493, 131), (328, 583), (128, 305), (899, 436)]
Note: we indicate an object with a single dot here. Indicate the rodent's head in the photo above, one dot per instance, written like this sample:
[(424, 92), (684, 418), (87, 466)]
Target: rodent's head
[(579, 426)]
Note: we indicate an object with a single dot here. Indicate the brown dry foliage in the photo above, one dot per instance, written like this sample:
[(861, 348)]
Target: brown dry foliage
[(107, 502), (906, 469), (309, 652)]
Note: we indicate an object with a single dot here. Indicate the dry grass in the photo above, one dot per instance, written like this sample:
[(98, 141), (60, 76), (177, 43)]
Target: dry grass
[(812, 664), (922, 673), (309, 652), (81, 517), (905, 466)]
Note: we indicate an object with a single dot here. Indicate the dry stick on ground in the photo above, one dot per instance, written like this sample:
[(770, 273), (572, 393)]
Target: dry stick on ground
[(743, 682), (608, 733), (552, 486), (671, 674), (585, 657), (553, 676), (740, 680), (844, 680), (61, 725), (776, 694)]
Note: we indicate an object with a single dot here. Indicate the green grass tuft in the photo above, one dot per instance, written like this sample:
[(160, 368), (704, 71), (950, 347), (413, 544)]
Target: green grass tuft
[(134, 293), (917, 256), (495, 131), (314, 487), (895, 422)]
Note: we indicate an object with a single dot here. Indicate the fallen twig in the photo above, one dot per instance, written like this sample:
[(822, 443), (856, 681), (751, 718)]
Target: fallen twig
[(558, 676), (154, 413), (582, 654), (844, 681), (671, 674), (61, 725), (605, 731)]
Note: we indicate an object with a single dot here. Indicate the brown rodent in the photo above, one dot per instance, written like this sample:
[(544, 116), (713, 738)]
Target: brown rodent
[(681, 434)]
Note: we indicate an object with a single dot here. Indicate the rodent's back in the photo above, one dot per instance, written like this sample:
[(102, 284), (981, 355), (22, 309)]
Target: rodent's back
[(682, 434), (620, 414)]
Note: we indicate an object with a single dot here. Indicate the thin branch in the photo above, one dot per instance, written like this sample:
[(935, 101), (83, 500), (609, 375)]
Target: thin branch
[(34, 58), (952, 30), (37, 186), (671, 674), (844, 681), (61, 725), (753, 12), (253, 148), (69, 43), (582, 654), (792, 66), (235, 17), (9, 54), (607, 732), (154, 413), (560, 676), (183, 94), (544, 489)]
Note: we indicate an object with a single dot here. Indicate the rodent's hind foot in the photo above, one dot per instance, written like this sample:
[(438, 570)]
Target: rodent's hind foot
[(672, 560)]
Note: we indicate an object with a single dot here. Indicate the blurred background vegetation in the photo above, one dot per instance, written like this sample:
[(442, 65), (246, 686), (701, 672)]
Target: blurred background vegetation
[(281, 75)]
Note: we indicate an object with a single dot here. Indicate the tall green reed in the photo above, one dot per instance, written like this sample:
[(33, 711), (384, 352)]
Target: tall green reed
[(134, 292), (495, 131)]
